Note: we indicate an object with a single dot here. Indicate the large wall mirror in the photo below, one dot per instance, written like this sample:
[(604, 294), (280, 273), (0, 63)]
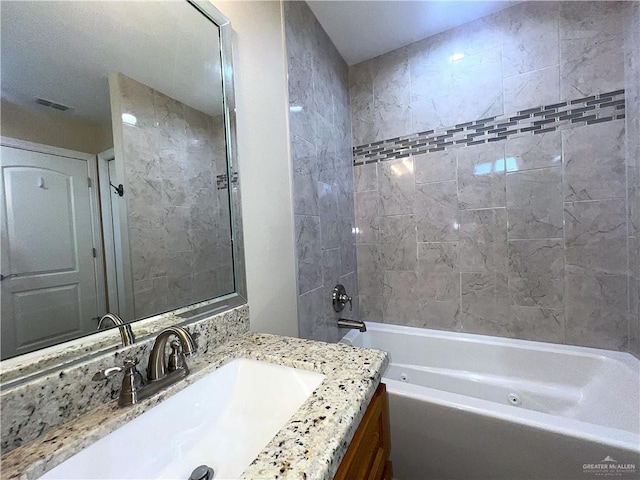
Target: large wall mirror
[(119, 189)]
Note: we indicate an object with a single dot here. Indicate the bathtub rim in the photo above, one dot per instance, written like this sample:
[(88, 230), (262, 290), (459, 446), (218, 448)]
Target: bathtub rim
[(578, 429), (628, 359)]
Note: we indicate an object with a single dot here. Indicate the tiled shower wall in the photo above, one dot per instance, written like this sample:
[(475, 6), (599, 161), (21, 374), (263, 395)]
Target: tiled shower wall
[(178, 206), (497, 195), (320, 124)]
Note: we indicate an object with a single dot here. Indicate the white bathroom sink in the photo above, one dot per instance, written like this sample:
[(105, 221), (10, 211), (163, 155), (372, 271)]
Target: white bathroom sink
[(223, 420)]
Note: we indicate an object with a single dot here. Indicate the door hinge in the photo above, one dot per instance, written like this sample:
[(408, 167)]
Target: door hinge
[(95, 253), (88, 182)]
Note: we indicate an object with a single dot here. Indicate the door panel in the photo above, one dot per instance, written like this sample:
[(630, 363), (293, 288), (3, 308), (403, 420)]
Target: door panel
[(34, 197), (47, 249), (58, 305)]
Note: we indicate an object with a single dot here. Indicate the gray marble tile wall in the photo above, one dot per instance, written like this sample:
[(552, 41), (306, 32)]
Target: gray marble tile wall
[(178, 210), (502, 63), (320, 123), (530, 236)]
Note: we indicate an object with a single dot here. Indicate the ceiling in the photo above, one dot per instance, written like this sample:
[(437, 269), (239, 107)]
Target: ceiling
[(363, 29), (63, 52)]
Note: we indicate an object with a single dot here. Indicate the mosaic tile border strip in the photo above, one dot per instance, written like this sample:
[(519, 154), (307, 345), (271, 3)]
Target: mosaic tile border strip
[(604, 107)]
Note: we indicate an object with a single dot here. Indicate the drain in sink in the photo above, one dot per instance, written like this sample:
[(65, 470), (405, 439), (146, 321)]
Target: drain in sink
[(203, 472)]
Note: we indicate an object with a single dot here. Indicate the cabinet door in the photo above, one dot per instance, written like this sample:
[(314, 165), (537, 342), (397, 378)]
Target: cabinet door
[(368, 454)]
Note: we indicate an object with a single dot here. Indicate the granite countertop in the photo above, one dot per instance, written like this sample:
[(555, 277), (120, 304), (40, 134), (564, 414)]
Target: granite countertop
[(310, 446)]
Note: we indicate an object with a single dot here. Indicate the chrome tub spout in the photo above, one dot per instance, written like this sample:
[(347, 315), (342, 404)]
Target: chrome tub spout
[(355, 324)]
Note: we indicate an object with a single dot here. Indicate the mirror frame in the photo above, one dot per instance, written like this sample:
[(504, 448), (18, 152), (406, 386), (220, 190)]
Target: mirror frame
[(42, 361)]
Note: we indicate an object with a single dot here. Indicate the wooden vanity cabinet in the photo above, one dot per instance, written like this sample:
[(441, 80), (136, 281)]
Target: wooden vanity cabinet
[(368, 455)]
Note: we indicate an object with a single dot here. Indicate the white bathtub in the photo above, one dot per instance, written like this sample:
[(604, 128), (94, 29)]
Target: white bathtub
[(478, 407)]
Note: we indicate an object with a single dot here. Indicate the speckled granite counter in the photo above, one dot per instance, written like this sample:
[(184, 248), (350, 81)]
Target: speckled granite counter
[(34, 405), (310, 446)]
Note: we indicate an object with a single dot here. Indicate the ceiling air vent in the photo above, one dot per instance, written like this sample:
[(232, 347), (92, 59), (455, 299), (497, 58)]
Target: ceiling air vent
[(47, 103)]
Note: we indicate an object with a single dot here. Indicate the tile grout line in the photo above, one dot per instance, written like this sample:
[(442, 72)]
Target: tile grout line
[(627, 221), (461, 318), (564, 242)]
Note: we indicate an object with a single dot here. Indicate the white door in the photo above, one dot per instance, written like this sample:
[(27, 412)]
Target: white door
[(49, 291)]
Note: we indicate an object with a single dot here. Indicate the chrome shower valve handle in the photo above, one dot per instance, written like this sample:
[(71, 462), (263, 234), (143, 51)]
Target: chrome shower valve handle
[(340, 298)]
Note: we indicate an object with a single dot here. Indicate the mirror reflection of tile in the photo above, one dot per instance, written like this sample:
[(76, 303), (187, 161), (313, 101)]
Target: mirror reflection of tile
[(179, 226)]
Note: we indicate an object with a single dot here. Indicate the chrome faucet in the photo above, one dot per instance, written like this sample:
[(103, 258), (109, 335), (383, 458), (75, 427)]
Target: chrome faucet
[(355, 324), (158, 366), (160, 373), (126, 334)]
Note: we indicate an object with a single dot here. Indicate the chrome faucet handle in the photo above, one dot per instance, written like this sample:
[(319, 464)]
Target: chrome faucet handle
[(340, 298), (176, 359), (108, 372)]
